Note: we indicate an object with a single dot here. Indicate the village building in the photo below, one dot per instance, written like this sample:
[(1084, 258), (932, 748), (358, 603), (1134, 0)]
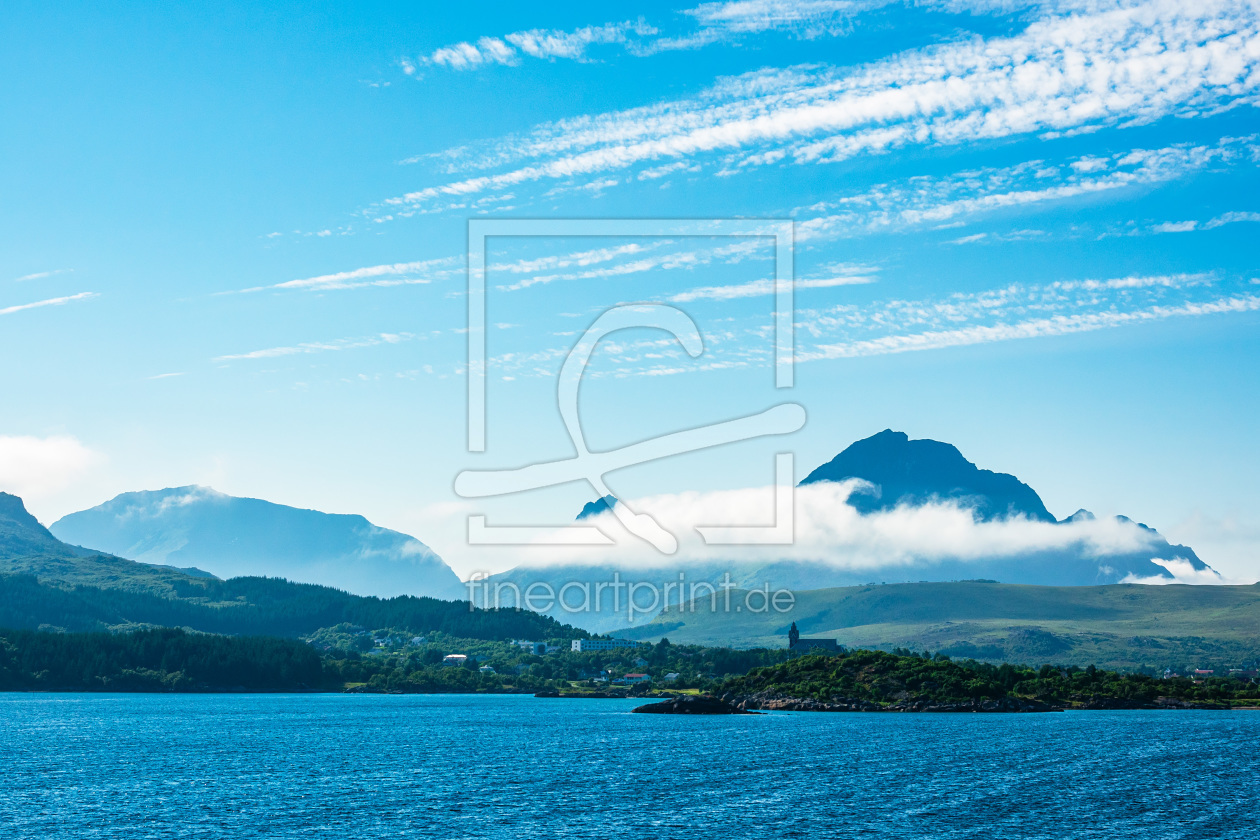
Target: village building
[(799, 645), (584, 645)]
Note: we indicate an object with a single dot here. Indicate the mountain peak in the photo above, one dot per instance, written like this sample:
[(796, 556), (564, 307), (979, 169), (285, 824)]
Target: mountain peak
[(21, 533), (915, 471), (229, 536), (14, 509), (597, 507)]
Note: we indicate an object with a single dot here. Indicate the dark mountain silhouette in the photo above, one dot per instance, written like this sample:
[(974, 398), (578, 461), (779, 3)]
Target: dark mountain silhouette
[(912, 472), (597, 507)]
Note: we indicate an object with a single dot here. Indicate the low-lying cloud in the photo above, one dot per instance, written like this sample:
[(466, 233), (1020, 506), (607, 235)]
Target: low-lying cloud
[(33, 467), (828, 530)]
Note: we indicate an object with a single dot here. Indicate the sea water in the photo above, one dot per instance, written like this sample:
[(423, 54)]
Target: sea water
[(80, 766)]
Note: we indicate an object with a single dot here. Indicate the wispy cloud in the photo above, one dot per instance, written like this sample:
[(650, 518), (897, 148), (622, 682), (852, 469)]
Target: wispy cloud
[(391, 274), (57, 301), (925, 201), (678, 258), (40, 275), (756, 288), (546, 44), (704, 25), (1188, 225), (1015, 312), (883, 327), (322, 346), (1115, 65)]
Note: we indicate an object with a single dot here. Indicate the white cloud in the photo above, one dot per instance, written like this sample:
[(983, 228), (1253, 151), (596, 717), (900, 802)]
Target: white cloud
[(713, 23), (321, 347), (57, 301), (925, 201), (546, 44), (40, 275), (390, 274), (756, 288), (815, 18), (747, 248), (1211, 224), (1113, 65), (33, 467), (1182, 571), (883, 327), (1054, 325), (1232, 218), (828, 530), (1175, 227)]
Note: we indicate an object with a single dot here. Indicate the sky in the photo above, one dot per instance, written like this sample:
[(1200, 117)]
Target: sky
[(234, 248)]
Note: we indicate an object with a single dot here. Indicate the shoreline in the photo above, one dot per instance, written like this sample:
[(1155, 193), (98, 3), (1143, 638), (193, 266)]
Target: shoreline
[(744, 703)]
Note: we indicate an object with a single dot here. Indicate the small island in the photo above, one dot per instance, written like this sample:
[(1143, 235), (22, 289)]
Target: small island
[(693, 704)]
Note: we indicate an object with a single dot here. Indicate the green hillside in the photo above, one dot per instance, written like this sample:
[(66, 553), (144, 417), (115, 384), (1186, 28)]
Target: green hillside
[(1117, 626), (868, 680), (47, 584), (254, 606)]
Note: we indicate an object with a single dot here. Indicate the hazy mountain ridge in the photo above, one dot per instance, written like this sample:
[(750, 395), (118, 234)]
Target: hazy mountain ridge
[(28, 548), (230, 536), (1124, 626), (49, 585)]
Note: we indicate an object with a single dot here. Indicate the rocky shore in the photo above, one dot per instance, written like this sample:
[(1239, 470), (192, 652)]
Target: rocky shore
[(781, 703), (1007, 705), (691, 704)]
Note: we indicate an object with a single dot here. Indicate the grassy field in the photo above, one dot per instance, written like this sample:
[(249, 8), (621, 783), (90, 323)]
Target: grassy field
[(1119, 626)]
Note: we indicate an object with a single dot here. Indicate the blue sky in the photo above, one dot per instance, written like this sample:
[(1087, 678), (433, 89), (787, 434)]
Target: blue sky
[(234, 246)]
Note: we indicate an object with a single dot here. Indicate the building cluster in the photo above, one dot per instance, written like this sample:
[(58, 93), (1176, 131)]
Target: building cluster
[(584, 645)]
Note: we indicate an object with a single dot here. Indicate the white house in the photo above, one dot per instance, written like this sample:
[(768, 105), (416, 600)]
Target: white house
[(584, 645)]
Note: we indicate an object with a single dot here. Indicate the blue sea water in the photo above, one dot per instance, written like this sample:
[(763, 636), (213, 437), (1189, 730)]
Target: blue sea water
[(81, 766)]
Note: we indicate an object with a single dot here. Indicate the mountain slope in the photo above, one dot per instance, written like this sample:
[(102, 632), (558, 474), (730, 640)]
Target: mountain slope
[(597, 507), (28, 548), (900, 475), (21, 533), (232, 537), (912, 472), (47, 584), (1125, 626)]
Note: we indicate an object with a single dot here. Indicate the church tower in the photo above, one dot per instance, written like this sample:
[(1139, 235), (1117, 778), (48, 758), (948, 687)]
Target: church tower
[(794, 636)]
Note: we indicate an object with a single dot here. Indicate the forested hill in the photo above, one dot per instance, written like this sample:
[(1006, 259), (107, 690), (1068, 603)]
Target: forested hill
[(871, 680), (266, 606), (157, 660), (48, 584)]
